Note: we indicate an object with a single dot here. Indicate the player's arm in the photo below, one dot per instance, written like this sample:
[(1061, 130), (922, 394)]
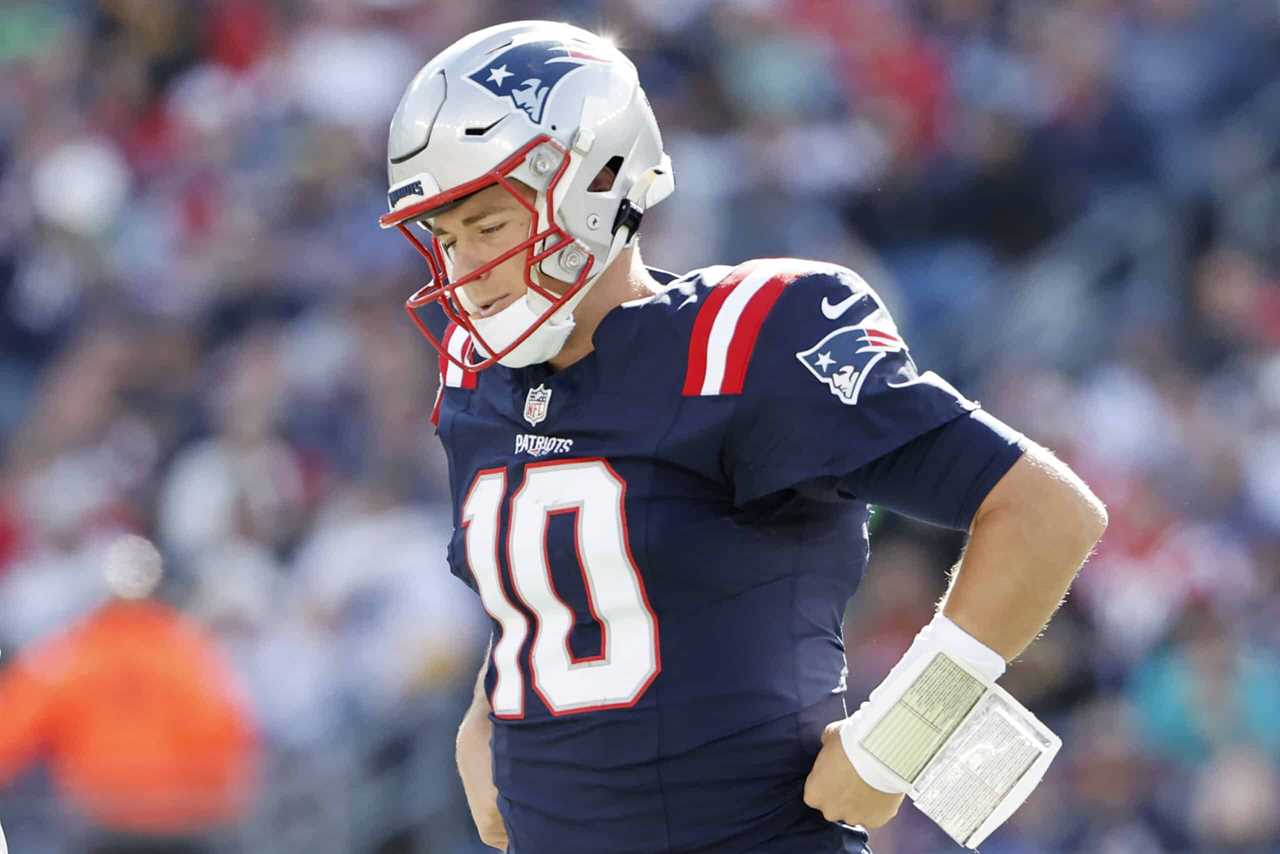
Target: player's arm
[(833, 406), (1028, 540), (1032, 523), (474, 753)]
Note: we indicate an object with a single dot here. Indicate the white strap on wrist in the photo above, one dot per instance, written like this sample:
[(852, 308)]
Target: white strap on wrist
[(940, 730), (940, 635), (965, 647)]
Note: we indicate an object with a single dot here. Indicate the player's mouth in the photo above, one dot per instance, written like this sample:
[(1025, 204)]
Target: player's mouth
[(492, 307)]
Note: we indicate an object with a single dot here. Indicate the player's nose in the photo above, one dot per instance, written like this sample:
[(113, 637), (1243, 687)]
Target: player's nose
[(466, 262)]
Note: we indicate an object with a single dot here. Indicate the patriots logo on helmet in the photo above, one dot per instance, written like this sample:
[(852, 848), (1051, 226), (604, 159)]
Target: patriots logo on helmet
[(843, 359), (528, 72)]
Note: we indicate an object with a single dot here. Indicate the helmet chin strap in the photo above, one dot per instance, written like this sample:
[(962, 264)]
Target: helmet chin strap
[(543, 343), (549, 337)]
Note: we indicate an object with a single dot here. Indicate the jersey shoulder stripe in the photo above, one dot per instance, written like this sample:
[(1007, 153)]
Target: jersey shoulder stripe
[(729, 322)]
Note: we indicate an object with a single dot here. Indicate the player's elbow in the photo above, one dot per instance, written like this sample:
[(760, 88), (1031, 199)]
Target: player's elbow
[(1089, 521), (1098, 519), (1082, 513), (1048, 503)]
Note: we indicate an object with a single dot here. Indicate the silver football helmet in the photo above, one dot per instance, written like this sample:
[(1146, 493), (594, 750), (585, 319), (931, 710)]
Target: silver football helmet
[(548, 105)]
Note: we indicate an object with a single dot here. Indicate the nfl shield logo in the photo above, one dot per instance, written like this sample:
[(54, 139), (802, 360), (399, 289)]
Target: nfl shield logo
[(535, 405)]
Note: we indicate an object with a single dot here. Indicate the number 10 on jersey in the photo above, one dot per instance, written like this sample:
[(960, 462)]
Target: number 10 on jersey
[(629, 658)]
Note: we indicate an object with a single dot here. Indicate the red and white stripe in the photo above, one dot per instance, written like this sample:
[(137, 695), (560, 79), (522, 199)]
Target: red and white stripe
[(457, 341), (880, 339), (728, 324)]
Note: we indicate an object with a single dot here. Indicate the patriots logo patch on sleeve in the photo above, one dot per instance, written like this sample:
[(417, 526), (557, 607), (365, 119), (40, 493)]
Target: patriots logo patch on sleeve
[(844, 358), (528, 72)]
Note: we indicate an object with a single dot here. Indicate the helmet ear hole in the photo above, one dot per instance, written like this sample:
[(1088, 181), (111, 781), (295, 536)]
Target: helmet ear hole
[(605, 178)]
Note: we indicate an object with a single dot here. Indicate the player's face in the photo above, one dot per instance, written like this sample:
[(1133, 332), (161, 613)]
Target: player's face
[(480, 229)]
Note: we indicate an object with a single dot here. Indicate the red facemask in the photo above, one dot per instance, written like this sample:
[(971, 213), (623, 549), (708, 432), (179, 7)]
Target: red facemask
[(440, 289)]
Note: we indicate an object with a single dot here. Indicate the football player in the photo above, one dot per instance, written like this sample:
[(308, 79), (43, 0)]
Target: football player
[(661, 481)]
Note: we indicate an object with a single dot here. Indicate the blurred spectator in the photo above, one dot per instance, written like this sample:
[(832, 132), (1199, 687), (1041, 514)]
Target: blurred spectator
[(1234, 803), (245, 480), (137, 713), (1112, 784), (1208, 692)]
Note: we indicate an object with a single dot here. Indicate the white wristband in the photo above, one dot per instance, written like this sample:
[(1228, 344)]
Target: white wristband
[(965, 647), (940, 635)]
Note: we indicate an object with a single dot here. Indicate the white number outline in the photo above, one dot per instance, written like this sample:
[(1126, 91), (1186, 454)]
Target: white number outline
[(515, 629), (518, 632)]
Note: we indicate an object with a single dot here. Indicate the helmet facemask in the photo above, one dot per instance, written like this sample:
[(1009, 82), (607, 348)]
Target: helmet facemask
[(547, 159)]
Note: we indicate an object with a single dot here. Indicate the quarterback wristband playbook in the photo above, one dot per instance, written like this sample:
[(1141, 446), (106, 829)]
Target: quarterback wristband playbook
[(941, 731)]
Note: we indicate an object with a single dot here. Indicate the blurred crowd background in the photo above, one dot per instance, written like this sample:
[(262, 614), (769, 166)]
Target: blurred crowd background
[(1072, 207)]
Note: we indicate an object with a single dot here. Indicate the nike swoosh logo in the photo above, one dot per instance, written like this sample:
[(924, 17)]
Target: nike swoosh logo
[(833, 312)]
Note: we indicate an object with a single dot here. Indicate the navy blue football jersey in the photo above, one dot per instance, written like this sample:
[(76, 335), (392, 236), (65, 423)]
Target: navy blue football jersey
[(660, 536)]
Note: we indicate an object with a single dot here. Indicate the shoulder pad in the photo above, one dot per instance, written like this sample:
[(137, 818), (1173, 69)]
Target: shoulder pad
[(734, 309)]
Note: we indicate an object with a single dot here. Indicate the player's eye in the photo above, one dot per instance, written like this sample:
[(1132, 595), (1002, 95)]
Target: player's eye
[(492, 229)]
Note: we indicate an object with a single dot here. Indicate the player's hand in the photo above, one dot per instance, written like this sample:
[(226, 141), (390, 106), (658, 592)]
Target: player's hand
[(835, 789), (475, 765)]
